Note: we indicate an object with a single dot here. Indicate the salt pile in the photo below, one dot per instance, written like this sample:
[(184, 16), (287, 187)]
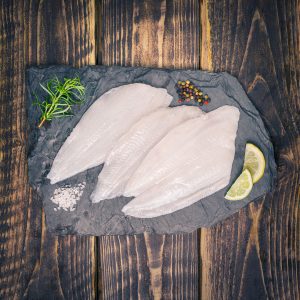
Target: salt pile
[(66, 197)]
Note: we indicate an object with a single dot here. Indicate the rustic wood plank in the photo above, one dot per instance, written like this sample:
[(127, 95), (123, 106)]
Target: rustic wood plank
[(149, 266), (158, 34), (143, 33), (255, 253), (34, 263)]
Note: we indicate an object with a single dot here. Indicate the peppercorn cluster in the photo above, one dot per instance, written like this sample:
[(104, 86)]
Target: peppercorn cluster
[(187, 91)]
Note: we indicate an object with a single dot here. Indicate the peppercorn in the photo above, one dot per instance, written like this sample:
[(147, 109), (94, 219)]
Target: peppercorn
[(187, 91)]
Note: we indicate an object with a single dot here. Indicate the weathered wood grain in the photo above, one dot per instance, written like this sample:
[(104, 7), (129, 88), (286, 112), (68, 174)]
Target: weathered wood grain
[(153, 34), (158, 34), (35, 264), (255, 253), (149, 266)]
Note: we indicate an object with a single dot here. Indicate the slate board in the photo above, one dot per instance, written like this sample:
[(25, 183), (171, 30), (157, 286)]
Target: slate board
[(106, 217)]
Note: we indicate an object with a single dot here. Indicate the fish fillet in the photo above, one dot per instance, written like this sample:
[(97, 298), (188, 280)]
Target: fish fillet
[(191, 162), (102, 125), (129, 151)]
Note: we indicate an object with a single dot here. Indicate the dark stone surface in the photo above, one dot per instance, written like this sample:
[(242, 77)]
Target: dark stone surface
[(106, 217)]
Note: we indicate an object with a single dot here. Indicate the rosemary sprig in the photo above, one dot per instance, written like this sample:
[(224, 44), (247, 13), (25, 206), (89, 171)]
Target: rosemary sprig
[(61, 96)]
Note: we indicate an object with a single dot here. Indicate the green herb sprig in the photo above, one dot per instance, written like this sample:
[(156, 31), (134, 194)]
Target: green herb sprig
[(61, 96)]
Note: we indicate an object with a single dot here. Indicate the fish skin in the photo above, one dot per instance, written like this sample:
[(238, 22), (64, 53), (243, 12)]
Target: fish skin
[(129, 151), (198, 167), (102, 125)]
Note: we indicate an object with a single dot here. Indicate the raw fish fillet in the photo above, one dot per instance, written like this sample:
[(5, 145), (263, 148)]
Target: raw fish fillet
[(130, 150), (102, 125), (192, 161)]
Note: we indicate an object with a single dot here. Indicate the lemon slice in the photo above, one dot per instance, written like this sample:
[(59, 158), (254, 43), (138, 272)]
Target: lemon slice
[(241, 188), (254, 162)]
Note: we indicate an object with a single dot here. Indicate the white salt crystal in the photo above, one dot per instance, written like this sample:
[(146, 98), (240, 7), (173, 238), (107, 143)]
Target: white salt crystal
[(66, 197)]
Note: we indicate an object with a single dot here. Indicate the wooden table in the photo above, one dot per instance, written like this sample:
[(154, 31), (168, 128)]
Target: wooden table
[(252, 255)]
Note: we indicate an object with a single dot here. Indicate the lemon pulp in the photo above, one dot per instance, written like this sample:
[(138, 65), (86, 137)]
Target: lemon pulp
[(241, 188), (254, 162)]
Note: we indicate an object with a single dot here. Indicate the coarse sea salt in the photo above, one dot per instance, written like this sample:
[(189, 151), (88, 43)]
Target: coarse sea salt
[(67, 196)]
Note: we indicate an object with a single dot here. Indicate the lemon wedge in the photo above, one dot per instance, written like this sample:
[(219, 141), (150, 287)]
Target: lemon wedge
[(241, 188), (254, 162)]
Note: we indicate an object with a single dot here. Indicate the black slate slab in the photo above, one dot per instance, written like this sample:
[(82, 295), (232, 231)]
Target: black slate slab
[(106, 217)]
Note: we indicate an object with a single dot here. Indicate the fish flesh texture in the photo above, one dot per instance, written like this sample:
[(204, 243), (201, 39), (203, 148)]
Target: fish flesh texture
[(132, 147), (152, 211), (206, 135), (192, 161), (102, 125)]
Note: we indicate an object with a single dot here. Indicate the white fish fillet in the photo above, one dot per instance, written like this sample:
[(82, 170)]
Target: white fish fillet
[(130, 150), (191, 162), (102, 125), (134, 207)]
